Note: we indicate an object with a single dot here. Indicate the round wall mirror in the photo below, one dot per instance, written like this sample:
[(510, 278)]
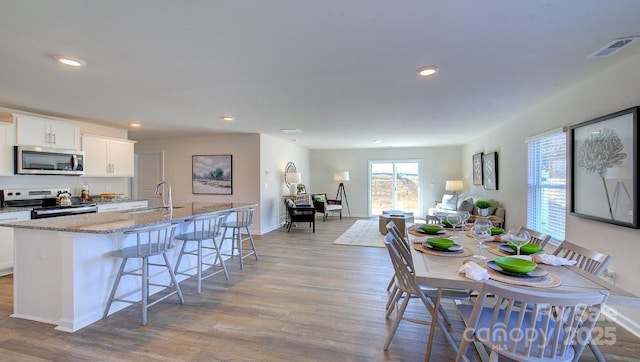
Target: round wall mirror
[(289, 168)]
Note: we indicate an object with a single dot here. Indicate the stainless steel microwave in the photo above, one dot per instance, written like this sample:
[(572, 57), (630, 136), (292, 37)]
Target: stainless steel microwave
[(33, 160)]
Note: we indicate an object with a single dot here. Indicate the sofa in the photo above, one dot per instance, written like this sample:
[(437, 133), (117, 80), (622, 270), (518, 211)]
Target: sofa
[(465, 202)]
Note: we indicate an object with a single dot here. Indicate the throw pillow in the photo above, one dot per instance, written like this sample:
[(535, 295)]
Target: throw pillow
[(448, 202), (321, 198), (466, 205), (290, 203)]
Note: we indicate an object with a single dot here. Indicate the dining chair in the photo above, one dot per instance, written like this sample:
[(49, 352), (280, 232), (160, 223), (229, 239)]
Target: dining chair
[(149, 242), (407, 286), (590, 261), (394, 292), (536, 237), (553, 329), (205, 228), (243, 222)]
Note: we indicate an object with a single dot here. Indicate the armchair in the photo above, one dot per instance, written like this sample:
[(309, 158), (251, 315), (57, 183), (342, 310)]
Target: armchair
[(300, 213), (325, 206)]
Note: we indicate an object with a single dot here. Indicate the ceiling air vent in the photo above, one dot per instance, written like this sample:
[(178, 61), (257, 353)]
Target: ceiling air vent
[(613, 47)]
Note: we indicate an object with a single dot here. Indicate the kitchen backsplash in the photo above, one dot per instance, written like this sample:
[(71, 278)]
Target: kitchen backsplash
[(97, 185)]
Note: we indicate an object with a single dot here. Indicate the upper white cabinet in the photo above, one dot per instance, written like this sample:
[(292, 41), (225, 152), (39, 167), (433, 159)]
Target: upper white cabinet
[(35, 131), (107, 157), (7, 140)]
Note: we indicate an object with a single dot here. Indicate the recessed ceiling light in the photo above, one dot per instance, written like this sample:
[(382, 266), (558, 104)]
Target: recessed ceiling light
[(227, 118), (135, 124), (73, 62), (427, 70), (291, 130)]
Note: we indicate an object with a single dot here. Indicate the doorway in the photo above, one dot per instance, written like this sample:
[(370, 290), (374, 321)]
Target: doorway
[(395, 185), (149, 173)]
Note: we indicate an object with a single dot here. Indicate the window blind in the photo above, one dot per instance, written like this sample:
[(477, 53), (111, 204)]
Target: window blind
[(546, 183)]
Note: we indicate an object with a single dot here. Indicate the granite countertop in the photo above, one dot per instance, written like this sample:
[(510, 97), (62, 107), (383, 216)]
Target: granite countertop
[(112, 200), (117, 221)]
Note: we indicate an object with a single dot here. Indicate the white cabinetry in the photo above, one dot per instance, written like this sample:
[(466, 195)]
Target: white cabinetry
[(107, 157), (7, 140), (6, 239), (34, 131), (125, 205)]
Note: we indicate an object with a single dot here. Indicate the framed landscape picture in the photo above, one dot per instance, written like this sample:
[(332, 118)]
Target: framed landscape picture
[(490, 170), (212, 174), (604, 158), (477, 168)]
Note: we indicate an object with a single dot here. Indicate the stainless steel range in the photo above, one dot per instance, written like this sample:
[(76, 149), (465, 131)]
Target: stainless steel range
[(45, 202)]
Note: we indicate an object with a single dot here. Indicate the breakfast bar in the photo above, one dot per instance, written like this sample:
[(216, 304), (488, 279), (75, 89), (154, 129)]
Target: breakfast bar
[(63, 272)]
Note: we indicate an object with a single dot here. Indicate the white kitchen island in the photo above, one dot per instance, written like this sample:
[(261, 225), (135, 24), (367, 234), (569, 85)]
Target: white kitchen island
[(63, 272)]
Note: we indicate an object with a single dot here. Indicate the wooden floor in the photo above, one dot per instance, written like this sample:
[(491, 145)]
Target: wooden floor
[(305, 300)]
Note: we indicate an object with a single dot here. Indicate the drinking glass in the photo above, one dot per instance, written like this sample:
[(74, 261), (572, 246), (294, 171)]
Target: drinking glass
[(454, 219), (480, 231), (465, 217), (440, 215), (518, 238)]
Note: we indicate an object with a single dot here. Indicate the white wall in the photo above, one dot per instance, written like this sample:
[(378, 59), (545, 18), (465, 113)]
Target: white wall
[(274, 156), (258, 160), (612, 90), (439, 164)]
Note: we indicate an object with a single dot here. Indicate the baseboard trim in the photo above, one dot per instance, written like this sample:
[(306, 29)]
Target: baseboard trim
[(622, 320)]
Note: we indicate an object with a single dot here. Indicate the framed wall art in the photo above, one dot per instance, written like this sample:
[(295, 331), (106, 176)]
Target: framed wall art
[(604, 171), (477, 168), (490, 170), (212, 174)]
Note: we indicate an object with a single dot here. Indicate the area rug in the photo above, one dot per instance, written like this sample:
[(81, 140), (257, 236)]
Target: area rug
[(362, 233)]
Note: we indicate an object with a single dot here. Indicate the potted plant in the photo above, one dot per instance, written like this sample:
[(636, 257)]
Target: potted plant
[(483, 207), (301, 189)]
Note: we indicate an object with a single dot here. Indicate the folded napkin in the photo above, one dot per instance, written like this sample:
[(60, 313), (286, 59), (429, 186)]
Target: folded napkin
[(473, 271), (502, 237), (551, 260)]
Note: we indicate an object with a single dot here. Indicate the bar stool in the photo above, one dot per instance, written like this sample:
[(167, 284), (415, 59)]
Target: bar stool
[(150, 241), (204, 228), (244, 220)]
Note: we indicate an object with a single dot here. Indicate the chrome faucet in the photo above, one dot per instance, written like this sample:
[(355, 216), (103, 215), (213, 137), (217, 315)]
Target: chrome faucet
[(166, 204)]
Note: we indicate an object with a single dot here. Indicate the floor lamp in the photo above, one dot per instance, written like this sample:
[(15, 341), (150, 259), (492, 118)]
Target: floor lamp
[(341, 177)]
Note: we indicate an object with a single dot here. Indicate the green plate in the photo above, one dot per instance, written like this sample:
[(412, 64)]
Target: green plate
[(440, 243), (515, 265), (431, 229), (526, 249)]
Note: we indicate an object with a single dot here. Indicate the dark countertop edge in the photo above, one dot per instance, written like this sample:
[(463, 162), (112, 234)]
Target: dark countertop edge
[(18, 208), (121, 229)]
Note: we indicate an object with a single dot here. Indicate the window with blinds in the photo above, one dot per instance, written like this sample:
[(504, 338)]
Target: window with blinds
[(547, 180)]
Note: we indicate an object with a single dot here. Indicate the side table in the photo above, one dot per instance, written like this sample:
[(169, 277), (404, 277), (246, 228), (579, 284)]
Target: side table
[(400, 218)]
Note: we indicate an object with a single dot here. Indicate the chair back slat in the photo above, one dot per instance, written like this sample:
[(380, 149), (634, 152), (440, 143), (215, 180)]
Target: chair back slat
[(153, 240), (551, 324), (537, 237), (206, 227), (588, 260)]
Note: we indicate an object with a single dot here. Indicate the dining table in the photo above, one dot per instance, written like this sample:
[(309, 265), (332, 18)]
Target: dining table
[(441, 270)]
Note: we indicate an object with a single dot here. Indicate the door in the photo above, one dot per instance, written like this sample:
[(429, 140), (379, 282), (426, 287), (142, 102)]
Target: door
[(149, 173), (395, 185)]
